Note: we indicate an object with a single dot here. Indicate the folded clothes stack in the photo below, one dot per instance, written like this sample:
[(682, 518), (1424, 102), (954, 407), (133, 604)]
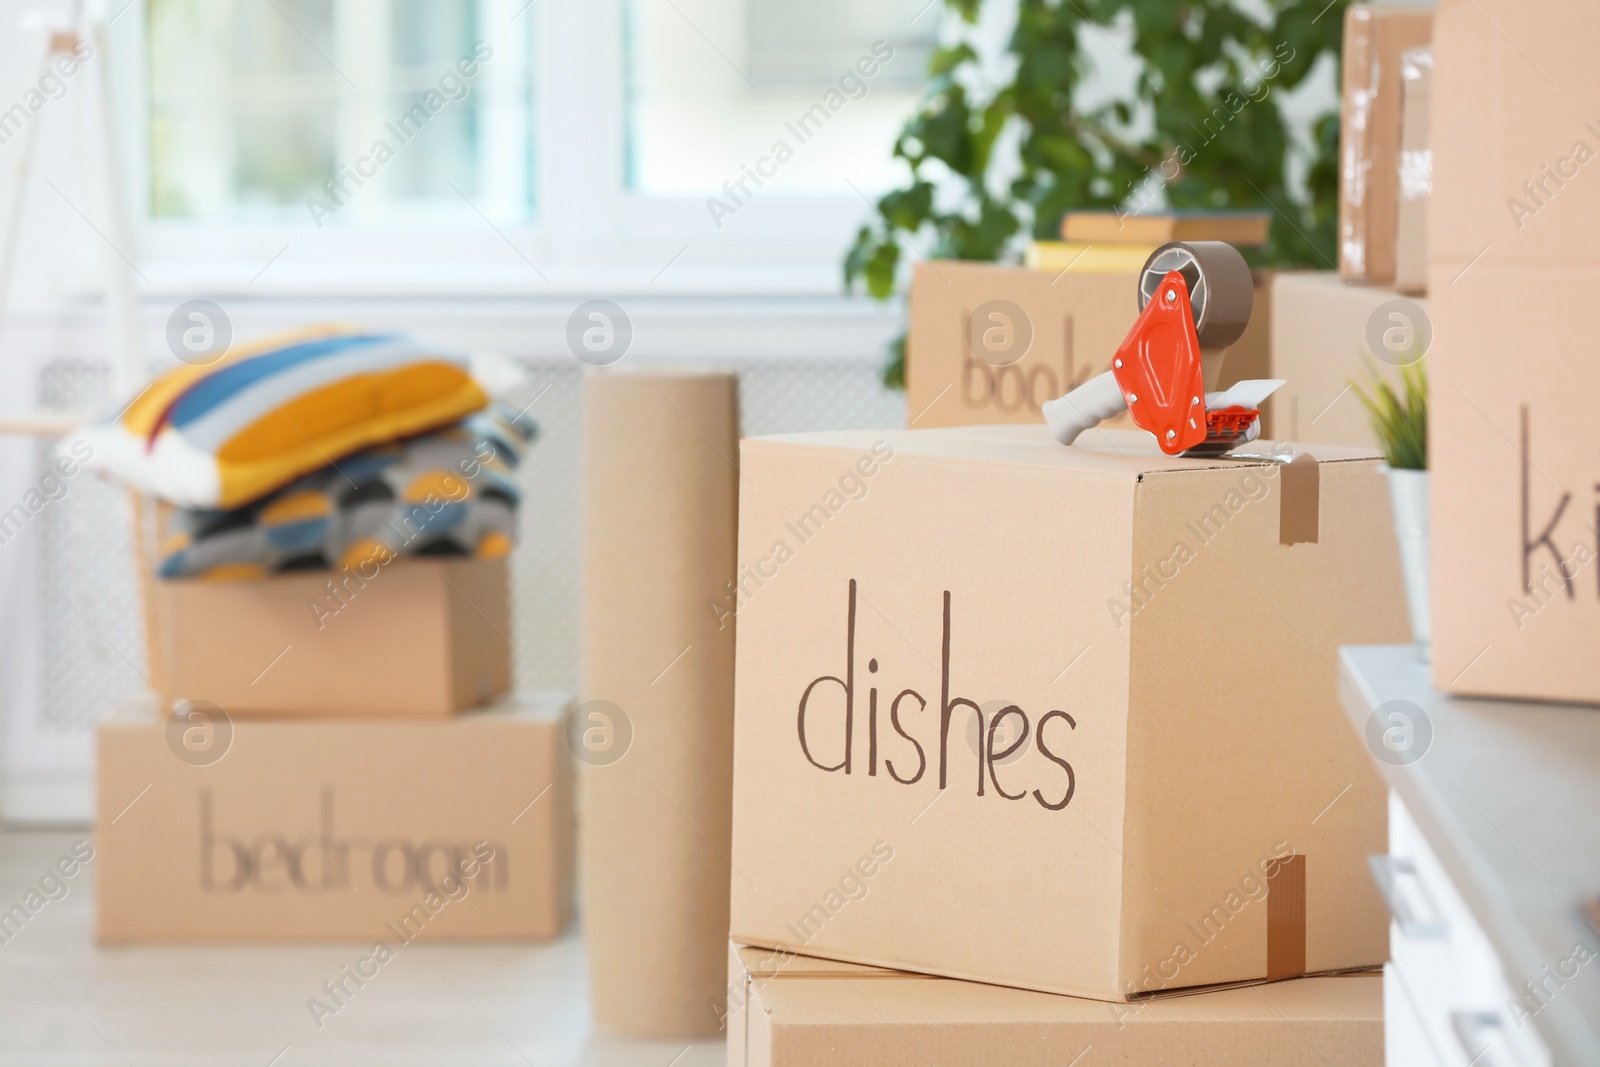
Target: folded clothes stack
[(325, 449), (448, 493)]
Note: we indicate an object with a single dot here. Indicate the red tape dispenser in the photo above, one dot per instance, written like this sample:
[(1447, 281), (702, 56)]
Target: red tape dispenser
[(1195, 300)]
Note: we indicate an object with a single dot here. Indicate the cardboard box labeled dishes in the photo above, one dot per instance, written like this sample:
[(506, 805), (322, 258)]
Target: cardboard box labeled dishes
[(989, 344), (789, 1011), (1057, 718), (256, 830), (1323, 333), (1514, 442), (411, 639)]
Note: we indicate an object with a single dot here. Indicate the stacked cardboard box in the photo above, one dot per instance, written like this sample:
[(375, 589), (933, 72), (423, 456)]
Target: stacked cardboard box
[(1330, 330), (320, 765), (1084, 693), (788, 1009), (1514, 440), (1328, 334)]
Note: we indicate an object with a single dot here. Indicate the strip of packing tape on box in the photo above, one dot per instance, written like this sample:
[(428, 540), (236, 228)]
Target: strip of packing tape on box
[(1299, 492), (1286, 919), (1299, 500)]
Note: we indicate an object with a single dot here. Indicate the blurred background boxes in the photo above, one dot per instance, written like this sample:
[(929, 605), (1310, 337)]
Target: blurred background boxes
[(990, 344), (412, 638), (1327, 334), (1038, 334), (1375, 37), (1416, 171), (257, 830)]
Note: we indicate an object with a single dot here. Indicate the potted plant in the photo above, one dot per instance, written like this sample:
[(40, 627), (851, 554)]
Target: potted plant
[(1399, 417)]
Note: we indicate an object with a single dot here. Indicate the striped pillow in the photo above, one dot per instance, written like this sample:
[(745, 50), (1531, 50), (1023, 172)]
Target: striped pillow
[(231, 432)]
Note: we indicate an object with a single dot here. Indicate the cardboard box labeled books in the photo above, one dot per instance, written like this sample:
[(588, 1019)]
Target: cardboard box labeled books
[(255, 830), (990, 344), (1323, 335), (1058, 718), (411, 639), (789, 1011), (1514, 440)]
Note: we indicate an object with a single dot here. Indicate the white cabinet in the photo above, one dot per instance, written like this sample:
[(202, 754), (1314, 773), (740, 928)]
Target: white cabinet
[(1446, 1000)]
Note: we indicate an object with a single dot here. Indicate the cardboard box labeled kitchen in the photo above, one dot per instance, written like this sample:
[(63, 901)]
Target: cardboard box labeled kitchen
[(1062, 718), (1514, 443), (1326, 334), (256, 830), (411, 639), (989, 344), (789, 1011)]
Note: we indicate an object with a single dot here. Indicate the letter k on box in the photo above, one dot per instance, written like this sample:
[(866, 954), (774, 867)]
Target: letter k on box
[(1087, 697), (1514, 440)]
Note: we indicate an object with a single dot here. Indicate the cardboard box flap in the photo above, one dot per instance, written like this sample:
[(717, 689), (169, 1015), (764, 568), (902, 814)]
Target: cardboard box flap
[(1124, 453), (766, 964)]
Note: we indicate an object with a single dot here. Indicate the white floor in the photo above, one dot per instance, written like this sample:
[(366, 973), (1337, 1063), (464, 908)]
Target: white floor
[(66, 1003)]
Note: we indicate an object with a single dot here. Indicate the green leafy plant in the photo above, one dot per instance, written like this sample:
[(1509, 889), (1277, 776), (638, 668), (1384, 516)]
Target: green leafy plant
[(1398, 417), (1202, 129)]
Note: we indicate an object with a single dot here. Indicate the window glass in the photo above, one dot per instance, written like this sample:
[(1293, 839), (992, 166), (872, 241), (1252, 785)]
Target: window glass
[(808, 94), (338, 111)]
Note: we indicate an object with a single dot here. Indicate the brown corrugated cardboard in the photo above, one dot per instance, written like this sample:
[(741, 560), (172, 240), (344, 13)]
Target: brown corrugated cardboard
[(1369, 135), (272, 830), (1070, 325), (412, 639), (1514, 441), (1322, 330), (1147, 666), (1416, 171), (795, 1011), (659, 539)]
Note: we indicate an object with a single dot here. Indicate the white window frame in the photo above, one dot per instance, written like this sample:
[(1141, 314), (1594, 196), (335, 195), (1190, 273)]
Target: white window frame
[(589, 232)]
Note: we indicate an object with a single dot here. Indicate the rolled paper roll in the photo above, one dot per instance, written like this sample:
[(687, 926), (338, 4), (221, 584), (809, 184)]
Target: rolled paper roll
[(654, 734)]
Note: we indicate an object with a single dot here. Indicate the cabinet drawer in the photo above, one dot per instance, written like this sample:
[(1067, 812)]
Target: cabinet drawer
[(1442, 964), (1405, 1038)]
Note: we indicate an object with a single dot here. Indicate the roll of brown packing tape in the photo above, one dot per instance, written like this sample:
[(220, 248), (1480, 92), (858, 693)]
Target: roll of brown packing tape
[(654, 735)]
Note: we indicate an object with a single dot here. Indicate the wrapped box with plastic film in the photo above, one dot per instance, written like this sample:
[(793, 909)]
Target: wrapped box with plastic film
[(1085, 692), (1416, 171), (1375, 37)]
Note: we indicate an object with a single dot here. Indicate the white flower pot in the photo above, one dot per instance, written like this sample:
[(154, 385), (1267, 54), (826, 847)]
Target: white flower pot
[(1408, 491)]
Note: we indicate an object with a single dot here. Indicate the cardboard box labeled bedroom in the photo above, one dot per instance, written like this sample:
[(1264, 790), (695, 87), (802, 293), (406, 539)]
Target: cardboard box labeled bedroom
[(334, 830)]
